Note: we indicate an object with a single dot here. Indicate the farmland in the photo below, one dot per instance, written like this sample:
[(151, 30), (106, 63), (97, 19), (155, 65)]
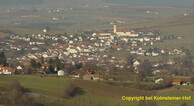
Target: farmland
[(52, 87), (77, 20), (96, 93)]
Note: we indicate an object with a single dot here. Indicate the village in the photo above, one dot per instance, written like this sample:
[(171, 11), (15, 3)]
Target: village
[(81, 49)]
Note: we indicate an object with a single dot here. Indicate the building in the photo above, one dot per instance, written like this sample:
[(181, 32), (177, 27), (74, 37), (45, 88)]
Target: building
[(44, 30), (179, 81), (6, 70), (61, 73), (136, 63), (158, 80), (19, 68), (87, 77), (115, 27), (124, 32)]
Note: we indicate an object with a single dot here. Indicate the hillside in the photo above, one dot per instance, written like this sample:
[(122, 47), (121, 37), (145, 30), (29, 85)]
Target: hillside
[(175, 3), (46, 90), (100, 3), (21, 2), (75, 3)]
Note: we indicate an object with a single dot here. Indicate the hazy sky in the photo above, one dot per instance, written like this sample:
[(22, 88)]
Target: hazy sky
[(178, 3)]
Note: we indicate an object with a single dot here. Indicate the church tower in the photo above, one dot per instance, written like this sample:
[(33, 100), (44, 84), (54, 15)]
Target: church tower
[(115, 27)]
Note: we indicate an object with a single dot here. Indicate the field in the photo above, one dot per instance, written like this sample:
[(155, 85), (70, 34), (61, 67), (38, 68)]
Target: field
[(96, 93), (3, 34), (26, 31), (179, 26), (78, 20), (52, 88), (176, 93)]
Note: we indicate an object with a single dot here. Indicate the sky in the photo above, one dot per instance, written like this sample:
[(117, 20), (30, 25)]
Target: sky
[(175, 3)]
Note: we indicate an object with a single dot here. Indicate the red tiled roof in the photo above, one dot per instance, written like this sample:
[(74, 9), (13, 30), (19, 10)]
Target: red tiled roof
[(6, 68), (164, 71), (179, 80), (123, 30), (116, 46), (96, 75)]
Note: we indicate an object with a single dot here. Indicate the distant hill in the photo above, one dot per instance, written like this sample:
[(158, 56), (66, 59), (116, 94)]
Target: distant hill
[(74, 3), (55, 3), (99, 3), (175, 3), (21, 2)]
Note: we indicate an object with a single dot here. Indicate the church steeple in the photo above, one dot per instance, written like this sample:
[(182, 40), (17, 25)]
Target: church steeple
[(115, 27)]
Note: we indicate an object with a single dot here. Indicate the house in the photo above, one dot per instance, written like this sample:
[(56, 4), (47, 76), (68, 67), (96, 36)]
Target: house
[(140, 52), (179, 37), (163, 51), (124, 38), (170, 62), (136, 63), (80, 48), (179, 81), (137, 39), (75, 75), (155, 65), (87, 77), (60, 73), (103, 37), (161, 71), (6, 70), (164, 71), (72, 50), (19, 68), (117, 47), (152, 43), (158, 38), (138, 70), (158, 80), (45, 66), (96, 76), (134, 43), (44, 30), (155, 54), (146, 39)]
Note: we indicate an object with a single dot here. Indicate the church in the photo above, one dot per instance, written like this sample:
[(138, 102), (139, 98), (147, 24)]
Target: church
[(124, 32)]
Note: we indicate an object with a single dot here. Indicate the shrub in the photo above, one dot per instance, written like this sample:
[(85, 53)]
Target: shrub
[(192, 80), (184, 104), (14, 95), (71, 90)]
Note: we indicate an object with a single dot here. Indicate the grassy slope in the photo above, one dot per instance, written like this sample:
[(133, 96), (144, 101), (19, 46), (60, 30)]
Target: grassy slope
[(28, 31), (95, 92), (176, 93), (3, 34), (46, 86), (182, 30), (90, 19)]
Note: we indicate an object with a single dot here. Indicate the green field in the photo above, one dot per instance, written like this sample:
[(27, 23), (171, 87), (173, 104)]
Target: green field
[(97, 93), (51, 88), (27, 31), (3, 34), (176, 93), (78, 20)]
